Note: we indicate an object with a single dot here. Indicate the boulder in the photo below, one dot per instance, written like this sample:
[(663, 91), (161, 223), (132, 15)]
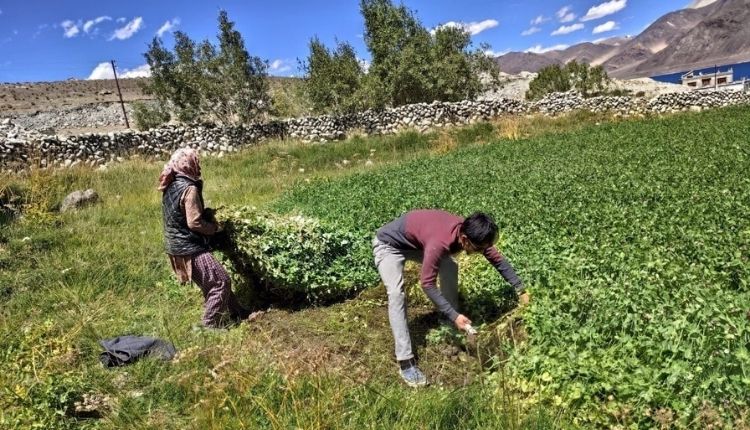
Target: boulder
[(78, 199)]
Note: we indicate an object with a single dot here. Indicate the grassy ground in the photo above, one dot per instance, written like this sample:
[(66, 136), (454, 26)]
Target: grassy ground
[(632, 236), (71, 279)]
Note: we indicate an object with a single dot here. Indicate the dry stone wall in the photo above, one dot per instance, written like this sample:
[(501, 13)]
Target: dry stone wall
[(21, 148)]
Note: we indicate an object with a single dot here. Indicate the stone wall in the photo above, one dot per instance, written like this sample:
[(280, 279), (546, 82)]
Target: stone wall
[(22, 148)]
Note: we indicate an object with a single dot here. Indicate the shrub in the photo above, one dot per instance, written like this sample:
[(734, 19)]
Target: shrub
[(578, 76)]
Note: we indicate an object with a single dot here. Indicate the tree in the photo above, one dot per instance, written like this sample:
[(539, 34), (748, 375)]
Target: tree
[(223, 83), (333, 78), (410, 64), (579, 76)]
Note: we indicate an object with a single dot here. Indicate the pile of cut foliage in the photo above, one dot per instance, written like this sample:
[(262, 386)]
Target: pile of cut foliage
[(298, 257)]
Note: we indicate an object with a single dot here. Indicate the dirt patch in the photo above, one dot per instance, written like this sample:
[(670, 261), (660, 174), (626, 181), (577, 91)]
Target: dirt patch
[(353, 340), (42, 96)]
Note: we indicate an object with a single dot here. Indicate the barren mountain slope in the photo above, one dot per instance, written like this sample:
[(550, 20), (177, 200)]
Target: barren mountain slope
[(723, 35)]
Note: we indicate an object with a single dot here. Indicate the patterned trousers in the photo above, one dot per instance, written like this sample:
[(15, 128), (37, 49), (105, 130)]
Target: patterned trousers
[(220, 305)]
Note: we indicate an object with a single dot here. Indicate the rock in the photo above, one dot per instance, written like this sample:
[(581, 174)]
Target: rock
[(78, 199)]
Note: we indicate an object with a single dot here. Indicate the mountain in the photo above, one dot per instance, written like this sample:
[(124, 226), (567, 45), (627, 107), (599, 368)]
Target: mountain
[(656, 37), (721, 37), (718, 33), (592, 53), (517, 62)]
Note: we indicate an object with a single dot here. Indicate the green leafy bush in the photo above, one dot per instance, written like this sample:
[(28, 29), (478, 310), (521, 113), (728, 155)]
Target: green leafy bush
[(299, 257), (577, 76)]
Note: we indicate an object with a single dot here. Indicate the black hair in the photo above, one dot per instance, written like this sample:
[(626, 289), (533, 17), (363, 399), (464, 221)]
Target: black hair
[(480, 228)]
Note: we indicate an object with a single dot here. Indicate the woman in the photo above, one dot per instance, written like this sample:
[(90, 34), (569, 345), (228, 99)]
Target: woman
[(186, 232)]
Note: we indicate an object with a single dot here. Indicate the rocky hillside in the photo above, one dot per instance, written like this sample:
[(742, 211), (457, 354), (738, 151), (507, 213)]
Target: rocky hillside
[(514, 63), (718, 33)]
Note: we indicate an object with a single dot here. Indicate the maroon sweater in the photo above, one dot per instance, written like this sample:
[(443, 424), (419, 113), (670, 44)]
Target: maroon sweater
[(436, 233)]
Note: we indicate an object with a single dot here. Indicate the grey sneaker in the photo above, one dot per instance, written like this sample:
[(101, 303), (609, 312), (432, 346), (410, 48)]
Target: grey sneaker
[(413, 377)]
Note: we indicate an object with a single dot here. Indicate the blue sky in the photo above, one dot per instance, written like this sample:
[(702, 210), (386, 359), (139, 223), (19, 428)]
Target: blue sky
[(61, 39)]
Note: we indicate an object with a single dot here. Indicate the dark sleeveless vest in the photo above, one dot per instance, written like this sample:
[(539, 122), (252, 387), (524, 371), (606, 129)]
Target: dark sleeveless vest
[(178, 238)]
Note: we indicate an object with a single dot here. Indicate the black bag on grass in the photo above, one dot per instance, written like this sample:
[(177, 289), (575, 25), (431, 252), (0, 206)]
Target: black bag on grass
[(124, 350)]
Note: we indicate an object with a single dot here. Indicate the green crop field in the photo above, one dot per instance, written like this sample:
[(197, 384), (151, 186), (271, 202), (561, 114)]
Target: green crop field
[(633, 238)]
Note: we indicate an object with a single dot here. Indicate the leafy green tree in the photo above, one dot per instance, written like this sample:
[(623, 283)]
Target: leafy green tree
[(400, 49), (579, 76), (333, 78), (223, 83), (410, 64), (456, 74)]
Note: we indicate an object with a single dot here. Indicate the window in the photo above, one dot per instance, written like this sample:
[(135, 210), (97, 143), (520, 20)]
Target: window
[(722, 80), (692, 84), (706, 81)]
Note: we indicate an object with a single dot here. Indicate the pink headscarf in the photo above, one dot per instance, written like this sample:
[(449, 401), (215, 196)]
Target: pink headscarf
[(184, 162)]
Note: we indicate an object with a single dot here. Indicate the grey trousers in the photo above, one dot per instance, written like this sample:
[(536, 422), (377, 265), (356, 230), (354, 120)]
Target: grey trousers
[(390, 263)]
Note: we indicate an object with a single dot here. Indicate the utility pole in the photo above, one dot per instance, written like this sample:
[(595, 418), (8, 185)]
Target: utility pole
[(119, 93)]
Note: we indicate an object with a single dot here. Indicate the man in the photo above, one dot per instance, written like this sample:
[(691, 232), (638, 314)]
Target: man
[(432, 237)]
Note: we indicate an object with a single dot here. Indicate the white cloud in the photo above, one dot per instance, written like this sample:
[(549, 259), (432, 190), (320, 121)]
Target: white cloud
[(475, 28), (566, 29), (128, 30), (280, 66), (142, 71), (121, 19), (88, 25), (565, 14), (696, 4), (539, 20), (605, 9), (538, 49), (472, 28), (168, 26), (531, 31), (104, 71), (492, 53), (607, 26), (70, 29)]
